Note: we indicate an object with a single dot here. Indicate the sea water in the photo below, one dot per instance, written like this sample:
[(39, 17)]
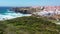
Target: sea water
[(6, 14)]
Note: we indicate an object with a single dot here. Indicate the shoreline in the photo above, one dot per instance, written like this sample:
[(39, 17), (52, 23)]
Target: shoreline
[(12, 16)]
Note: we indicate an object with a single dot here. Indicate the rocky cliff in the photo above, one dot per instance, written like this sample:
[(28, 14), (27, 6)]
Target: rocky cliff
[(25, 10)]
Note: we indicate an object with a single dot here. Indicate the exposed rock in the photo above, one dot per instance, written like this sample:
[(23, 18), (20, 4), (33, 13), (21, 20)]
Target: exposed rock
[(26, 10)]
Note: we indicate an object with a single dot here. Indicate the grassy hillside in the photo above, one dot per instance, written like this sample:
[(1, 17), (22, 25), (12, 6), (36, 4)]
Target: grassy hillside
[(28, 25)]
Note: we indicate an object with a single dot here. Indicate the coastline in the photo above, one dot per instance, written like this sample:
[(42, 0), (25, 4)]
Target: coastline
[(12, 15)]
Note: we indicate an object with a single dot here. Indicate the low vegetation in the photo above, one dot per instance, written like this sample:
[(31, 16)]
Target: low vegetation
[(28, 25)]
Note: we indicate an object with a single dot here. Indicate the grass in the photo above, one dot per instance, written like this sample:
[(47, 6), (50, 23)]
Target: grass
[(29, 25)]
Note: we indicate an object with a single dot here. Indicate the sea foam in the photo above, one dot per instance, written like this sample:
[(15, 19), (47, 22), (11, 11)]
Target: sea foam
[(11, 15)]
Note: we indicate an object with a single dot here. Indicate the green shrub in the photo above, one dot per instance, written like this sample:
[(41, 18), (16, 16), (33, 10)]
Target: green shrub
[(29, 25)]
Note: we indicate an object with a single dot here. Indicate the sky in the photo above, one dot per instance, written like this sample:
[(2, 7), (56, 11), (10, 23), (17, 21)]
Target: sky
[(29, 2)]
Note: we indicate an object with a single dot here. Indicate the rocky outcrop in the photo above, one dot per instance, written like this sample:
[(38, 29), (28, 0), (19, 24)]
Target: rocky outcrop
[(29, 10), (25, 10)]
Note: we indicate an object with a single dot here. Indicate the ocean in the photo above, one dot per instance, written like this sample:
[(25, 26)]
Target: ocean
[(6, 14)]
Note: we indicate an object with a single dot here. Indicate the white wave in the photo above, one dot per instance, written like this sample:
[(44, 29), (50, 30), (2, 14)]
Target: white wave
[(12, 15)]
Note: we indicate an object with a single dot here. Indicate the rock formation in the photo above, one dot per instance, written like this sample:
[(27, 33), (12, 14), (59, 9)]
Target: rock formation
[(25, 10)]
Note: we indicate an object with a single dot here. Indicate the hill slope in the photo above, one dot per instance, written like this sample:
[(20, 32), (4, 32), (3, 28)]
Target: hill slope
[(28, 25)]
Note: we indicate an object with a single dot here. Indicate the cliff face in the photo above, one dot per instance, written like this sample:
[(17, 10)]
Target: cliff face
[(25, 10), (47, 11), (29, 10)]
